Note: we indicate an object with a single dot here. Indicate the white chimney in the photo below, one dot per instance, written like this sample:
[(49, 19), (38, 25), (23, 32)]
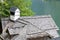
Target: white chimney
[(14, 13)]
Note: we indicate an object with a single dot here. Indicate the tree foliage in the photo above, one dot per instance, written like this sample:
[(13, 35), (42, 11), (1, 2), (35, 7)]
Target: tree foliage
[(4, 8), (23, 5)]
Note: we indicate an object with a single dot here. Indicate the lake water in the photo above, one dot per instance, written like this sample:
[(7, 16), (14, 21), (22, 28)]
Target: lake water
[(42, 7)]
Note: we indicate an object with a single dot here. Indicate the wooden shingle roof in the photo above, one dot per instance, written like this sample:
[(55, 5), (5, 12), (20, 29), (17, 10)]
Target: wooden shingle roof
[(35, 24)]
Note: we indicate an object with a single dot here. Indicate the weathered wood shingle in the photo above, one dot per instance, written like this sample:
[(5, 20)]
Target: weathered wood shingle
[(35, 25)]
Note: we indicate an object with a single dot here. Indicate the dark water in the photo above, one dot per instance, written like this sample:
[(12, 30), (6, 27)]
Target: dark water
[(42, 7)]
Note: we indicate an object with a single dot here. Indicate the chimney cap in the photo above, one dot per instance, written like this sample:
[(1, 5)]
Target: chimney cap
[(13, 9)]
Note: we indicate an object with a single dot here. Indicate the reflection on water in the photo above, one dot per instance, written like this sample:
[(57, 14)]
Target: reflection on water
[(42, 7)]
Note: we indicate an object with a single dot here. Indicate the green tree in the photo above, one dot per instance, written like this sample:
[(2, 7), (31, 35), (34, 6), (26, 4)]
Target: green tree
[(4, 10), (23, 5)]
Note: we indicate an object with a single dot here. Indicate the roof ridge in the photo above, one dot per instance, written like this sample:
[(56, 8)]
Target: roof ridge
[(35, 17)]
